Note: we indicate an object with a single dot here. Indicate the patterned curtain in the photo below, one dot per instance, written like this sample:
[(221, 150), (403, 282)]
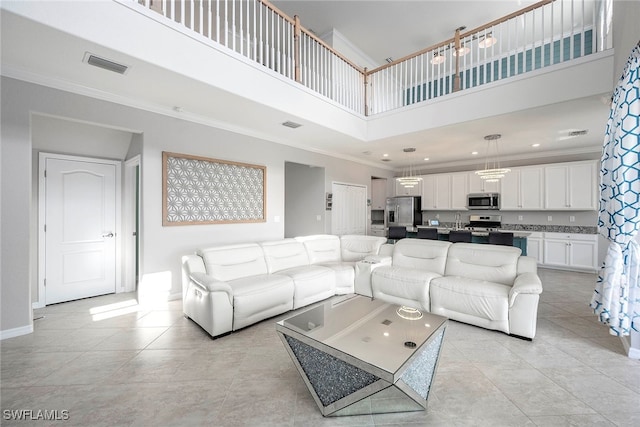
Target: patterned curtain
[(616, 299)]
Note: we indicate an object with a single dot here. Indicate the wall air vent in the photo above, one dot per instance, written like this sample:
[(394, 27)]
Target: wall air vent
[(385, 159), (291, 125), (105, 64), (577, 132)]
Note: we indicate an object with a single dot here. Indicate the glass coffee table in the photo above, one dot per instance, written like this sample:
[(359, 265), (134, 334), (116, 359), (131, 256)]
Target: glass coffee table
[(363, 356)]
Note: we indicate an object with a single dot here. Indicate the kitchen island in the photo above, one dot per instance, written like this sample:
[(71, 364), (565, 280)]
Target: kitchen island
[(519, 237)]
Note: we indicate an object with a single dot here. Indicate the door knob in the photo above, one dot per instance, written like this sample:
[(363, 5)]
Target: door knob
[(109, 234)]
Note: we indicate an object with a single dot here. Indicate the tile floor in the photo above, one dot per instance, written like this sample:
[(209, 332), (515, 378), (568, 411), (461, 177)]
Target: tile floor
[(109, 362)]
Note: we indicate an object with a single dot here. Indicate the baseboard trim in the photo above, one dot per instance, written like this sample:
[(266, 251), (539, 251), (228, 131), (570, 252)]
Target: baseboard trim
[(631, 352), (16, 332)]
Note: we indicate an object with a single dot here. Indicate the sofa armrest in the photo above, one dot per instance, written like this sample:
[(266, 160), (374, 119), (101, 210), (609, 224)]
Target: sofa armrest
[(364, 268), (386, 249), (377, 259), (525, 283), (210, 284)]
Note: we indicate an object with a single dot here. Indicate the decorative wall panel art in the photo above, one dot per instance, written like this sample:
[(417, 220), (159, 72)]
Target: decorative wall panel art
[(200, 190)]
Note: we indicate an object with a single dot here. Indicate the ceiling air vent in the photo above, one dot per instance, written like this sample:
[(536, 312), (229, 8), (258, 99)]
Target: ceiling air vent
[(577, 132), (291, 125), (105, 64)]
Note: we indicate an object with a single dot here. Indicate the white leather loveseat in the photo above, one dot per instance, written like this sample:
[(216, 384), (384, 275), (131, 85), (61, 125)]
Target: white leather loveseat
[(485, 285), (226, 288)]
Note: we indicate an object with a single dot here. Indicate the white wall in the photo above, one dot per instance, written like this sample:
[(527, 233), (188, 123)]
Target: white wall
[(304, 200), (162, 247), (15, 181)]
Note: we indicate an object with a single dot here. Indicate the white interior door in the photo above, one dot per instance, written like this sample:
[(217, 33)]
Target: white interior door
[(80, 227), (349, 209)]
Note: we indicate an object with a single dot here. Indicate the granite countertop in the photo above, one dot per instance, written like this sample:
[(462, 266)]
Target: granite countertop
[(531, 228), (446, 230)]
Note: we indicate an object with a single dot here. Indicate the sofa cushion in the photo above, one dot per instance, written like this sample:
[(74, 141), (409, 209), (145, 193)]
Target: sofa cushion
[(401, 285), (345, 275), (260, 297), (429, 255), (311, 283), (356, 247), (469, 297), (321, 248), (492, 263), (231, 262), (284, 254)]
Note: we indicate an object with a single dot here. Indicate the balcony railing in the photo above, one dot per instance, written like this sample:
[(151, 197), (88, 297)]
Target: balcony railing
[(546, 33)]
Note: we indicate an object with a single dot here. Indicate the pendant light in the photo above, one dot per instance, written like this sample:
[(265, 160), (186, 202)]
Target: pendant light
[(492, 171), (409, 180)]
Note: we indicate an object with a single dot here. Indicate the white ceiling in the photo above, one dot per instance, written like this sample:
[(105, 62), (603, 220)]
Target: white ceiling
[(380, 29), (393, 29)]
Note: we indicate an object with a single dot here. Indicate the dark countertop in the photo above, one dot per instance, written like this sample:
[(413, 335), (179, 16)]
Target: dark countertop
[(537, 228)]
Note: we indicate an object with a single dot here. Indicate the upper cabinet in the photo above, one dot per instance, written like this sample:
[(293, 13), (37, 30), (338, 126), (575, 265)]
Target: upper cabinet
[(570, 186), (459, 190), (522, 189), (378, 194), (408, 191), (479, 185), (445, 191), (561, 186)]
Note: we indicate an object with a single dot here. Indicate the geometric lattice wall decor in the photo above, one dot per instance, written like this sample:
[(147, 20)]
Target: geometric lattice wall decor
[(201, 190)]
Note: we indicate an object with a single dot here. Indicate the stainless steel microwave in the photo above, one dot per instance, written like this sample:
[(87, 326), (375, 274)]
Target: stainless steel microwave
[(483, 201)]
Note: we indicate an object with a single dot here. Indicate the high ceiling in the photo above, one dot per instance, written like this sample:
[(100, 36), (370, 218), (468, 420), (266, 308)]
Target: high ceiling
[(380, 29), (396, 28)]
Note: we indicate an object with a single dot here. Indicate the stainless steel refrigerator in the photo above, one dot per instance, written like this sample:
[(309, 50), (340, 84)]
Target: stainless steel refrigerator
[(404, 211)]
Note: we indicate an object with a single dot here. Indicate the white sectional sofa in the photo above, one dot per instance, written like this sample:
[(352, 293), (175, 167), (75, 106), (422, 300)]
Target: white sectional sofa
[(226, 288), (485, 285)]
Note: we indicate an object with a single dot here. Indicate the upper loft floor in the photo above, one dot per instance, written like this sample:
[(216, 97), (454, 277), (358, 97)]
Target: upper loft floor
[(245, 66)]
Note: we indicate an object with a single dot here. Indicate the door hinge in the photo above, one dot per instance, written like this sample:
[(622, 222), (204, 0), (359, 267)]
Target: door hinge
[(45, 173), (45, 282), (45, 228)]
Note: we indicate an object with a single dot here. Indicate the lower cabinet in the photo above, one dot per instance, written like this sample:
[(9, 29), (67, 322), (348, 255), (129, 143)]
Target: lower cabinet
[(573, 251), (534, 246)]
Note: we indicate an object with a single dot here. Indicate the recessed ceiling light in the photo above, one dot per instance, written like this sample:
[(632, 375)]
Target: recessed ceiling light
[(474, 153), (385, 155), (535, 145), (426, 159)]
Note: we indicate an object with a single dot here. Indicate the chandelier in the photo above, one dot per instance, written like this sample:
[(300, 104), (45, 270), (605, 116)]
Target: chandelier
[(409, 180), (492, 171)]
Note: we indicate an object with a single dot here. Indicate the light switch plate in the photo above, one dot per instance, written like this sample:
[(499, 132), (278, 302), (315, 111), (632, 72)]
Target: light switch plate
[(549, 218)]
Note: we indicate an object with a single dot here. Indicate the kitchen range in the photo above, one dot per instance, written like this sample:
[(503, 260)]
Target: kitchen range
[(484, 223)]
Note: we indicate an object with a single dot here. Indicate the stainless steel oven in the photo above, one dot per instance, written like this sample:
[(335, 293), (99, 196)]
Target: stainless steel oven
[(483, 201)]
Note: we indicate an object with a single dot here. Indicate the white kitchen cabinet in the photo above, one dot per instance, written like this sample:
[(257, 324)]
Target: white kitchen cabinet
[(534, 246), (573, 251), (459, 190), (428, 199), (522, 189), (479, 185), (445, 191), (570, 186), (408, 191), (378, 194)]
